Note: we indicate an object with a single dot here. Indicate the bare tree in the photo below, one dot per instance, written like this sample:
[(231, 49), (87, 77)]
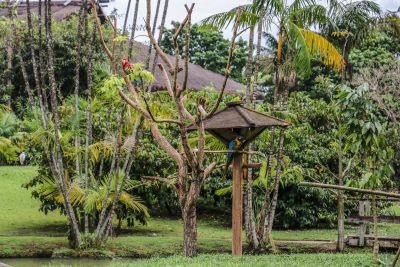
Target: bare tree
[(383, 82), (190, 162)]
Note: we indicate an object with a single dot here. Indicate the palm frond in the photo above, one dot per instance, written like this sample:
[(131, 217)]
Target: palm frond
[(95, 150), (224, 19), (270, 42), (76, 194), (50, 190), (5, 108), (309, 15), (134, 203), (320, 47), (302, 58), (300, 4), (270, 7), (93, 201)]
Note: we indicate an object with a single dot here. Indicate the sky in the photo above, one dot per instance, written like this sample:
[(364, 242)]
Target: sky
[(202, 9)]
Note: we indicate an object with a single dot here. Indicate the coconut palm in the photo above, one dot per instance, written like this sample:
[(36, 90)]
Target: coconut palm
[(351, 23)]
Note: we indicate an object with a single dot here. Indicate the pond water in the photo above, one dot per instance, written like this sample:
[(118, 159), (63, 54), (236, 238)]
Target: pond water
[(39, 262)]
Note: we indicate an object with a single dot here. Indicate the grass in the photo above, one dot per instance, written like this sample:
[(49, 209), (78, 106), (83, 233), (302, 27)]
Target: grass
[(20, 213), (282, 260), (27, 232)]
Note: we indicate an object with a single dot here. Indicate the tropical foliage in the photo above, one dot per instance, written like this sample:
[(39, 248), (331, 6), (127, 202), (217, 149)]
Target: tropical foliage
[(75, 128)]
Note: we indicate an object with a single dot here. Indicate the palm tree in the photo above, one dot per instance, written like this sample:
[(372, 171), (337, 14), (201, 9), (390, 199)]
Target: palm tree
[(296, 46), (92, 198), (351, 23)]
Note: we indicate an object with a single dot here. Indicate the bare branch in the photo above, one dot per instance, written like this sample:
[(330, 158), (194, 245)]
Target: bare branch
[(102, 41), (163, 142), (153, 40), (166, 80), (228, 65), (160, 179), (209, 169), (187, 47)]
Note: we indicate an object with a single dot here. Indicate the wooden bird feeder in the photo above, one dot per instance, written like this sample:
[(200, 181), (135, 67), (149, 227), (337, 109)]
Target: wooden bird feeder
[(226, 124)]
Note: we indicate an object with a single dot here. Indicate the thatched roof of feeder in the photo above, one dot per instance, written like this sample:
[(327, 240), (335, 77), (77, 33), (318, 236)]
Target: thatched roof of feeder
[(237, 120)]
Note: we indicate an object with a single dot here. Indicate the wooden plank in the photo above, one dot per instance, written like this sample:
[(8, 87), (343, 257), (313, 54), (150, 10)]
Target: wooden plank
[(237, 204), (252, 165), (384, 241), (351, 189), (383, 238), (388, 199), (370, 219)]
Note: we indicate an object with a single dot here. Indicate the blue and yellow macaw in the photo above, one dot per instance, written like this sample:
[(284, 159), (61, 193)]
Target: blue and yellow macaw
[(235, 144)]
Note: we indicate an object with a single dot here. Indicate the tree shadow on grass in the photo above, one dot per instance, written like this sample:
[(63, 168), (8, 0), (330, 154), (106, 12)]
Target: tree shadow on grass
[(55, 230)]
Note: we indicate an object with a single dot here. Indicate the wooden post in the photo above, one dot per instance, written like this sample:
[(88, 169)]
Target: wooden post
[(364, 209), (237, 204)]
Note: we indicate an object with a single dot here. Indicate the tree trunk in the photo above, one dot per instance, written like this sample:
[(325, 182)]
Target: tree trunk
[(274, 200), (89, 122), (189, 217), (77, 84), (340, 210), (133, 29), (160, 34), (248, 218), (153, 32), (57, 157), (9, 69), (128, 8), (104, 216), (42, 64), (340, 202), (34, 64), (17, 46)]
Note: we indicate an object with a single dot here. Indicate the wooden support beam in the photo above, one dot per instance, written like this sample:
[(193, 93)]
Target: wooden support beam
[(390, 199), (352, 189), (252, 165), (370, 219), (386, 242), (237, 204)]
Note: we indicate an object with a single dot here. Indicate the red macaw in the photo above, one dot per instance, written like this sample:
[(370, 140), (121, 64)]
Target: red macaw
[(126, 65)]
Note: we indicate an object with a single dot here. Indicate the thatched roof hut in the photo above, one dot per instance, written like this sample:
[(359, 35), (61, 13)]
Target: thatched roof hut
[(60, 9), (199, 78)]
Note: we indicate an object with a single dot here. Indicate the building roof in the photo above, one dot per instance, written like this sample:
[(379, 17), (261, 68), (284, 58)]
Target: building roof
[(199, 78), (60, 9), (237, 120)]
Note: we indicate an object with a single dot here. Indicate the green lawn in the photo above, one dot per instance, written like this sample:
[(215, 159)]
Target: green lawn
[(27, 232)]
